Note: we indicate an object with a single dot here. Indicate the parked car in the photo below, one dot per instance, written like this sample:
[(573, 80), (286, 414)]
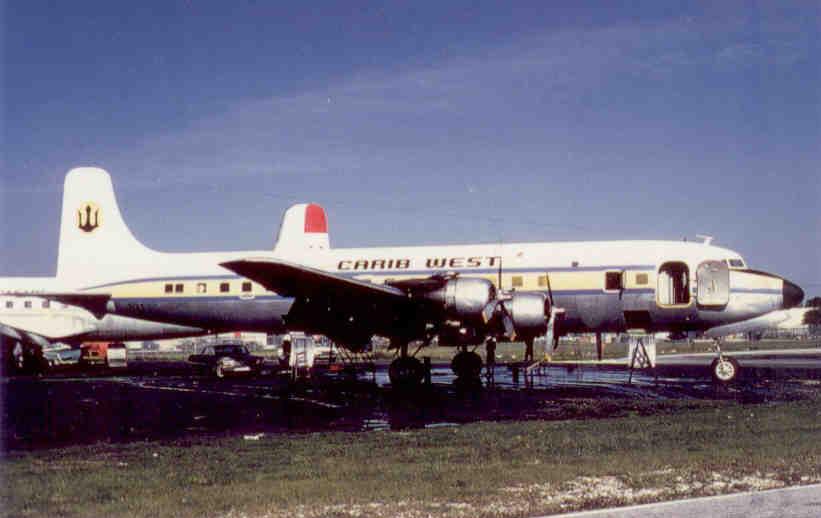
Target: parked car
[(57, 357), (226, 359)]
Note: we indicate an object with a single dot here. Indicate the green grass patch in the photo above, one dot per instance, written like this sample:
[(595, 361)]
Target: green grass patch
[(483, 469)]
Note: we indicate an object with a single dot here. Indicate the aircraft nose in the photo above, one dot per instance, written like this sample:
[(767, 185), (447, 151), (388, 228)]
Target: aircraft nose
[(792, 295)]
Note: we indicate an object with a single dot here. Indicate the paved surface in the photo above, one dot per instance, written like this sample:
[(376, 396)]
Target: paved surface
[(165, 399), (778, 359), (797, 502)]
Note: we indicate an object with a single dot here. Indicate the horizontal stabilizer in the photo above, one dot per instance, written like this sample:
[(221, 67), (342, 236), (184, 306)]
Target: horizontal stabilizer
[(52, 327)]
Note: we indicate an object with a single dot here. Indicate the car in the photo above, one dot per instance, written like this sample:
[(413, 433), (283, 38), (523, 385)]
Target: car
[(59, 357), (226, 360)]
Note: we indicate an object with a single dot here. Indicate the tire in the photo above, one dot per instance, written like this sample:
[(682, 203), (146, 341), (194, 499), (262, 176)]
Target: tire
[(724, 370), (406, 372), (467, 365)]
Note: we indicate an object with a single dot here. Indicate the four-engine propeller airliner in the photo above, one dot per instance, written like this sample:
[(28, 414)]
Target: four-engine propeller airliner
[(109, 286)]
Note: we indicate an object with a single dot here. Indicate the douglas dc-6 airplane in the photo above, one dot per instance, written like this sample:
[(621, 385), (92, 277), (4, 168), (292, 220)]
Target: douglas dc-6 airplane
[(110, 287)]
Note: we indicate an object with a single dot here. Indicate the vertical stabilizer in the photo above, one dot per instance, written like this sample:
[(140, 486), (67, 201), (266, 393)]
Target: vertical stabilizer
[(94, 239), (304, 228)]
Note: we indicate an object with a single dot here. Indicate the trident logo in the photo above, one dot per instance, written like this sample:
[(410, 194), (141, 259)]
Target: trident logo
[(88, 217)]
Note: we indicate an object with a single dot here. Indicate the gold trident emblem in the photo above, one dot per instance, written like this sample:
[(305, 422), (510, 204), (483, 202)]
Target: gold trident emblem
[(88, 217)]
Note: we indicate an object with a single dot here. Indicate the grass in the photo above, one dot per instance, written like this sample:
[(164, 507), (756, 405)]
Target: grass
[(482, 469)]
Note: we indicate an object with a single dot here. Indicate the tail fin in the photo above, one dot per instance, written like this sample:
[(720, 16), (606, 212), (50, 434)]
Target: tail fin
[(94, 239), (304, 228)]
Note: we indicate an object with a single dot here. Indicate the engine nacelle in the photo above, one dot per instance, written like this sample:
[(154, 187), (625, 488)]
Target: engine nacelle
[(529, 312), (464, 298)]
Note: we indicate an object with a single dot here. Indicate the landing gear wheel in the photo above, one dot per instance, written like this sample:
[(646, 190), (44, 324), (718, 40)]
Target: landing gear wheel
[(467, 365), (406, 372), (724, 370)]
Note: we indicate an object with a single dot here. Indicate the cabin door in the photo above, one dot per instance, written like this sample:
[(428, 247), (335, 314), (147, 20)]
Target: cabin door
[(713, 281)]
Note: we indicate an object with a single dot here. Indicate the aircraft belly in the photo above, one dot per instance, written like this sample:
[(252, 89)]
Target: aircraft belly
[(600, 312), (119, 328), (229, 314)]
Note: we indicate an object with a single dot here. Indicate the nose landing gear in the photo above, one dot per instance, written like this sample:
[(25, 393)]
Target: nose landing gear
[(724, 369)]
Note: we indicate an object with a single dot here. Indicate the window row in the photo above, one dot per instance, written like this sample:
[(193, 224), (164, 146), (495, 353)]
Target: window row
[(612, 280), (202, 287), (28, 304)]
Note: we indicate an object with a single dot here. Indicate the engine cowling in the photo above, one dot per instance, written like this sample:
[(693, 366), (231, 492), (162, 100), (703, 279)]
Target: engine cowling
[(529, 313), (464, 298)]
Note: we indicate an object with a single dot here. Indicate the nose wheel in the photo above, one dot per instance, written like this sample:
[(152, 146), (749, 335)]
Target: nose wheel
[(724, 369)]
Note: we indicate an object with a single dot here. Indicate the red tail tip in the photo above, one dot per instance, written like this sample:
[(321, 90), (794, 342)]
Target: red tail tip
[(315, 220)]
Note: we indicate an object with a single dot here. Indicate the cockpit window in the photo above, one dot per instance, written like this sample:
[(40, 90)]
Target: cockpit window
[(735, 263)]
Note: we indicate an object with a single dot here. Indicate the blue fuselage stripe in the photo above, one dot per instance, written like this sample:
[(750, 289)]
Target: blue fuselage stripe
[(394, 272)]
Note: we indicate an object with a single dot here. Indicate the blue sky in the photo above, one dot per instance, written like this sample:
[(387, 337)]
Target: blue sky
[(419, 122)]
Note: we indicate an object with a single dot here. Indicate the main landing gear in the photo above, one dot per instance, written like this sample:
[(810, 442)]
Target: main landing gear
[(467, 365), (405, 371)]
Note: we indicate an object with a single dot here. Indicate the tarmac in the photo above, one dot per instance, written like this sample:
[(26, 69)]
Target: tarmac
[(151, 400), (796, 502)]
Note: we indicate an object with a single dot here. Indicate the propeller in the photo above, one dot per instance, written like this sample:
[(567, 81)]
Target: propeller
[(498, 309)]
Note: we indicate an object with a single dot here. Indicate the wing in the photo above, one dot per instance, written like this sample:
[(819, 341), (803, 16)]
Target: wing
[(295, 280), (773, 319), (345, 309), (48, 327)]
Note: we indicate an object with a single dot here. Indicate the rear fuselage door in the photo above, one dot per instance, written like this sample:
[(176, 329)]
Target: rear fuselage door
[(713, 281)]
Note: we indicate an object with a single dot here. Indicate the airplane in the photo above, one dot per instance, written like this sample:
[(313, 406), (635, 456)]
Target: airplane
[(109, 286)]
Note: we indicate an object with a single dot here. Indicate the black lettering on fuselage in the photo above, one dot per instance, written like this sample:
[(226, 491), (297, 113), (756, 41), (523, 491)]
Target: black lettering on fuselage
[(373, 264), (436, 262)]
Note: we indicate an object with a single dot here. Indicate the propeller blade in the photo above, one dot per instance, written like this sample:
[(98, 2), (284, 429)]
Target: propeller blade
[(510, 329), (507, 320), (489, 311)]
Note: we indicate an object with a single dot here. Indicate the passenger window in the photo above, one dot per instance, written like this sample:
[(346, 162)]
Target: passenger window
[(9, 304), (517, 281), (46, 304), (612, 281), (542, 281), (201, 287), (641, 279), (246, 286), (27, 304), (225, 287), (169, 288)]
